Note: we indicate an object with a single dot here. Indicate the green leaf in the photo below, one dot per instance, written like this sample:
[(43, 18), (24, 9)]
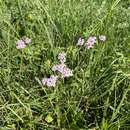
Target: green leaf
[(49, 118)]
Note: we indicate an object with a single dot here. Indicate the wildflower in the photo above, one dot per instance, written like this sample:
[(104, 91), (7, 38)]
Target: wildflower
[(58, 67), (63, 69), (62, 57), (27, 40), (20, 44), (50, 82), (102, 38), (67, 72), (90, 42), (80, 42), (44, 81)]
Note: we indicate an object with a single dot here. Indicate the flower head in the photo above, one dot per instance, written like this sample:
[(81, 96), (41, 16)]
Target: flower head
[(102, 38), (63, 69), (28, 40), (80, 42), (50, 82), (62, 57), (58, 67), (20, 44), (90, 42), (67, 72), (44, 81)]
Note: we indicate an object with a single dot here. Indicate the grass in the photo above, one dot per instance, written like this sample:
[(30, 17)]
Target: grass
[(96, 97)]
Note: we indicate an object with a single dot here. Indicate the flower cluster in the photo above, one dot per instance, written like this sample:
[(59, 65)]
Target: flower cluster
[(80, 41), (50, 82), (62, 57), (20, 44), (63, 70), (91, 41)]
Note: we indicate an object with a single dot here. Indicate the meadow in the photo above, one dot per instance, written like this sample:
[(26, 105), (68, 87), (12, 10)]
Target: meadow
[(93, 93)]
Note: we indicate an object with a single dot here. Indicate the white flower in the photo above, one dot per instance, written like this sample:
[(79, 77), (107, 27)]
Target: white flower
[(102, 38)]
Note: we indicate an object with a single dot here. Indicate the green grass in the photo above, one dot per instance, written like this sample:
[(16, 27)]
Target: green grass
[(97, 97)]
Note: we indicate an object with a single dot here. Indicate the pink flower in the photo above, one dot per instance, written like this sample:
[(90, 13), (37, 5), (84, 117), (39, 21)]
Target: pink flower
[(67, 72), (90, 42), (62, 57), (63, 69), (102, 38), (50, 82), (80, 42), (20, 44), (58, 67), (90, 46)]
